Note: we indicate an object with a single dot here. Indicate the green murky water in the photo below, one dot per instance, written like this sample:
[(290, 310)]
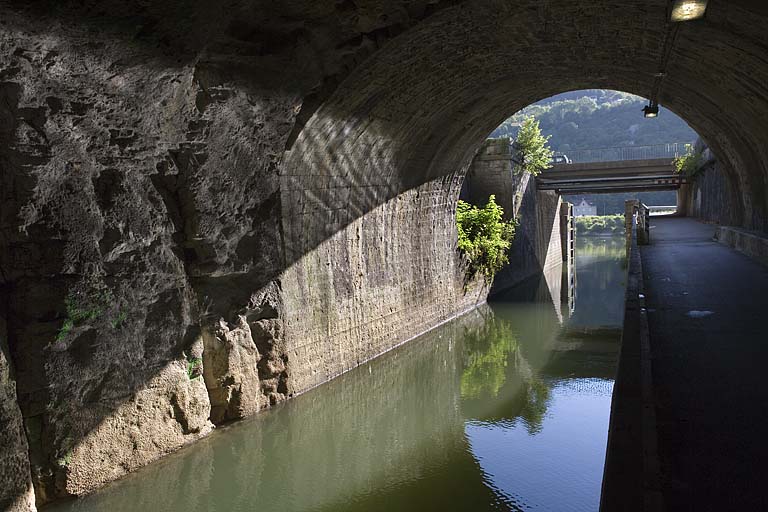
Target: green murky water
[(505, 408)]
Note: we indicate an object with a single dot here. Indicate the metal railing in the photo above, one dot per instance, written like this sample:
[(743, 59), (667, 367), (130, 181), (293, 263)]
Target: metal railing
[(637, 220), (662, 210), (671, 150)]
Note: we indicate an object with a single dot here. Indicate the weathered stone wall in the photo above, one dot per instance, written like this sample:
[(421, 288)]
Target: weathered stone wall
[(377, 281), (492, 172), (16, 493), (754, 245), (711, 196), (159, 275), (139, 200), (538, 242)]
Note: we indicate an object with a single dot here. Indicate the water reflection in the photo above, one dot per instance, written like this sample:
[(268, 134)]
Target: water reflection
[(600, 274), (505, 408)]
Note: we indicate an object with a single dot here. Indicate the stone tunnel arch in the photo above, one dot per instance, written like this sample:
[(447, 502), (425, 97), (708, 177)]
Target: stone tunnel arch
[(419, 107), (396, 137), (333, 250)]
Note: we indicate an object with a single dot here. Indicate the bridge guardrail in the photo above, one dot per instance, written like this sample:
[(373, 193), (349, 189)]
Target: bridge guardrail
[(670, 150)]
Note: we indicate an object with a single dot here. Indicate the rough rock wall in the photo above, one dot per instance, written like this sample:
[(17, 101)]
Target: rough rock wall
[(139, 199), (16, 493), (151, 290)]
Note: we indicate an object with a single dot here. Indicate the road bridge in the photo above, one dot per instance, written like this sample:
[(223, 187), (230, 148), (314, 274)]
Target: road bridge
[(634, 168)]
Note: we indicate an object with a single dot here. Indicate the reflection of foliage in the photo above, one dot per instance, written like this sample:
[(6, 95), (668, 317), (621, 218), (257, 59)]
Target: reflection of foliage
[(599, 224), (484, 237), (536, 403), (488, 352), (593, 249)]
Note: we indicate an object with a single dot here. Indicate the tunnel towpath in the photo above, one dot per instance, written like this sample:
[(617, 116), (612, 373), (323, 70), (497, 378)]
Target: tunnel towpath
[(707, 318)]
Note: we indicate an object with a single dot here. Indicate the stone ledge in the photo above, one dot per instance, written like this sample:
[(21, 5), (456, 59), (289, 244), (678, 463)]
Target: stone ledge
[(506, 156), (631, 475), (752, 244)]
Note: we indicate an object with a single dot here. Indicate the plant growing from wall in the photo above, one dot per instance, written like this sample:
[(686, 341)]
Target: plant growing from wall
[(78, 312), (689, 164), (66, 460), (85, 308), (194, 367), (533, 153), (119, 320), (484, 237)]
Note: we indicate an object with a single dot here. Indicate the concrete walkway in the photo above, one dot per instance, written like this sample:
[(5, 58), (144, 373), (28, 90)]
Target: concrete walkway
[(708, 321)]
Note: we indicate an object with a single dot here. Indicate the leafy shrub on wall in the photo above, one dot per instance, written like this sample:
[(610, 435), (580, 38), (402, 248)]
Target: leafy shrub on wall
[(484, 237), (690, 163)]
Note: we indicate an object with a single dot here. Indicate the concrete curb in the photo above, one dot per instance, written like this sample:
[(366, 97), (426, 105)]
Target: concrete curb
[(751, 244), (631, 477)]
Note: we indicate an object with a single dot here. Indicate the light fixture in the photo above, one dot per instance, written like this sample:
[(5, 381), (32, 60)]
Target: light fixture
[(687, 10), (651, 110)]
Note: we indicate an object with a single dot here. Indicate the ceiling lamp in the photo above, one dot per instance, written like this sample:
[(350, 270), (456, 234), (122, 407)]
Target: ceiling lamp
[(687, 10), (651, 110)]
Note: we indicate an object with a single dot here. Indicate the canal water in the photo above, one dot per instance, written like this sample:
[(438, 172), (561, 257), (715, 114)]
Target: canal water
[(505, 408)]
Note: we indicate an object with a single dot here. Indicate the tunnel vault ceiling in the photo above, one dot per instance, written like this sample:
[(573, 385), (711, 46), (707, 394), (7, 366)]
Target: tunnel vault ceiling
[(282, 176), (429, 79), (432, 94)]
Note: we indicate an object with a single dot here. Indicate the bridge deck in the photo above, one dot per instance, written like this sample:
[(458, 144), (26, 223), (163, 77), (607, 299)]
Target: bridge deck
[(625, 175)]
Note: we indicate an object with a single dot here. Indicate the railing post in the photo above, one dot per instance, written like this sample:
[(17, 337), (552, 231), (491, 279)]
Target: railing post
[(643, 224), (568, 240), (630, 211)]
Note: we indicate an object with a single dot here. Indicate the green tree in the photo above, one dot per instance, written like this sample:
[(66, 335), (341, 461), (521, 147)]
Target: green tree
[(690, 163), (484, 237), (531, 146)]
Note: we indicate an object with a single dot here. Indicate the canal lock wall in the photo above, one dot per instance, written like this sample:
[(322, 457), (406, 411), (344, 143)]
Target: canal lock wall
[(544, 234)]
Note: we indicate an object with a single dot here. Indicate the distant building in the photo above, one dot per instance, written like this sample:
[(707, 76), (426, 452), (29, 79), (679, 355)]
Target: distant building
[(584, 208)]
